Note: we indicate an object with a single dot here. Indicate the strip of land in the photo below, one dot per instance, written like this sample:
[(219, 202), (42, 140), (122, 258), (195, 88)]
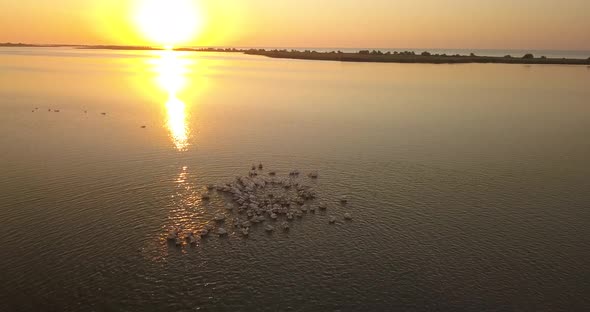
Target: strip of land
[(412, 57), (374, 56)]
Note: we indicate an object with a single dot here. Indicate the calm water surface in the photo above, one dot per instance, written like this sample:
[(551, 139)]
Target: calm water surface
[(469, 184)]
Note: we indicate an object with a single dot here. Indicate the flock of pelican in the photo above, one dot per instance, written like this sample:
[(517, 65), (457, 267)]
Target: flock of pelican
[(85, 112), (257, 199), (36, 109)]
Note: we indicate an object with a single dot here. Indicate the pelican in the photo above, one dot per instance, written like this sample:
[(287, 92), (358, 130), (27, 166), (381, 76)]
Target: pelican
[(285, 226), (221, 232)]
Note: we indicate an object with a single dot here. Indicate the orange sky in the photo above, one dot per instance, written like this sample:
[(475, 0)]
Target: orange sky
[(502, 24)]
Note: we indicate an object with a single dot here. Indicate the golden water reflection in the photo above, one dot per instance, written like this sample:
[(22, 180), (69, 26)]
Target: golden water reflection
[(172, 71)]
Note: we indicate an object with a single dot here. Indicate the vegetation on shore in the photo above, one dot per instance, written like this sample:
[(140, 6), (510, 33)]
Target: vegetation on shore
[(377, 56), (27, 45), (374, 56), (411, 57)]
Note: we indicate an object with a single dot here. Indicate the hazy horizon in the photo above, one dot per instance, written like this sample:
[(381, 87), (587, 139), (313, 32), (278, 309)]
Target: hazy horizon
[(347, 49), (451, 24)]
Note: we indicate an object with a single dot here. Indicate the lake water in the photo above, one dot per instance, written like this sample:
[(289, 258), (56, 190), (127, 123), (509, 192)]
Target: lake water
[(468, 184)]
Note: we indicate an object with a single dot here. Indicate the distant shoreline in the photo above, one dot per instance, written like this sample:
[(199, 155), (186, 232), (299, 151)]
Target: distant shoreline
[(363, 56), (376, 56)]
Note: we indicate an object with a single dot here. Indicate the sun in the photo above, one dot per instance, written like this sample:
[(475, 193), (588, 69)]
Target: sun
[(168, 22)]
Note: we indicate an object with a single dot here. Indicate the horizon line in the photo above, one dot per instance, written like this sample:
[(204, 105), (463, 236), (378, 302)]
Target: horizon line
[(287, 47)]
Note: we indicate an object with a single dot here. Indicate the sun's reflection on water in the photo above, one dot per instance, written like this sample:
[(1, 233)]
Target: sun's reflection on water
[(172, 70)]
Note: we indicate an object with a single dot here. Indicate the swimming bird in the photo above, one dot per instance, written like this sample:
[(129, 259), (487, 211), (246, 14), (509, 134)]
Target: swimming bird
[(172, 235), (205, 196), (322, 206), (104, 114), (143, 127), (269, 228), (285, 226), (221, 232), (344, 199), (219, 217), (332, 220), (204, 233), (313, 174), (245, 231), (347, 216), (178, 241)]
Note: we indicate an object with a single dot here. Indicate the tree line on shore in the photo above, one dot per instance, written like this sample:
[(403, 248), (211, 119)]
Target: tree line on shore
[(361, 52), (528, 56)]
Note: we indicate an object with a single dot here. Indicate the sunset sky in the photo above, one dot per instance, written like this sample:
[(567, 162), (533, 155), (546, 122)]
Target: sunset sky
[(501, 24)]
